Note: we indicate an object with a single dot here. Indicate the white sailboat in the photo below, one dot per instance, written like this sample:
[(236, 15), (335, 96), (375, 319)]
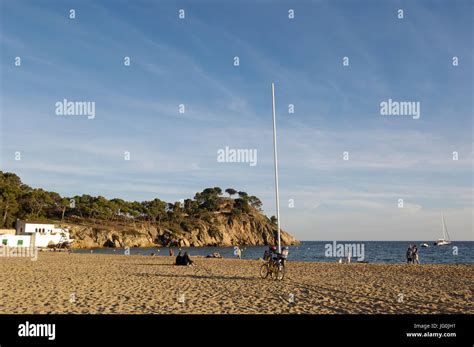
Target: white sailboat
[(445, 240)]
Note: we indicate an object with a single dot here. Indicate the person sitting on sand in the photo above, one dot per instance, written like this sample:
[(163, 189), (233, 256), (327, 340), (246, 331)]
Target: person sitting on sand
[(187, 260), (179, 259)]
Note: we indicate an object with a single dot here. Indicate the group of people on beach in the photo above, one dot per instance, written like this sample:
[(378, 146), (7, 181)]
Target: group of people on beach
[(184, 260), (187, 260), (270, 253), (412, 255)]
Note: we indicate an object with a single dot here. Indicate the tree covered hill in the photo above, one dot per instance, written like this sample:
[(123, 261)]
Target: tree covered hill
[(210, 218)]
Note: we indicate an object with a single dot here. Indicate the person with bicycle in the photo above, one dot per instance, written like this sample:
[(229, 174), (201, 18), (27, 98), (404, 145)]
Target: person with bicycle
[(274, 263), (270, 254), (279, 257), (284, 255), (273, 253)]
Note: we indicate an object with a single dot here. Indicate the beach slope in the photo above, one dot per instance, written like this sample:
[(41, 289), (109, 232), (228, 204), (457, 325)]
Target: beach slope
[(93, 283)]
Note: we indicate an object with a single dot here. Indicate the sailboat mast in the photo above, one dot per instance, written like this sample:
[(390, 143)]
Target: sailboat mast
[(445, 230), (275, 156), (444, 227)]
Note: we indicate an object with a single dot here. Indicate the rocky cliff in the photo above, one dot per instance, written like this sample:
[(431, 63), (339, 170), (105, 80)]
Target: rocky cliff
[(207, 219), (220, 230)]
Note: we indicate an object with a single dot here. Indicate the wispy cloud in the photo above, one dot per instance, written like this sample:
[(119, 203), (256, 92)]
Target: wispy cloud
[(189, 62)]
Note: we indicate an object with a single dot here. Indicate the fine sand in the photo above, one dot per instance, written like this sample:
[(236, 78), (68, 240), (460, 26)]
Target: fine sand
[(92, 283)]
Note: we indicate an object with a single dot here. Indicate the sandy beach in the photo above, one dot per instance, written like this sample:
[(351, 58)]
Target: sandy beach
[(92, 283)]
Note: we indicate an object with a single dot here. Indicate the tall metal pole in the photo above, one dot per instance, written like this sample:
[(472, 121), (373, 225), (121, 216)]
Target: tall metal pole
[(275, 155)]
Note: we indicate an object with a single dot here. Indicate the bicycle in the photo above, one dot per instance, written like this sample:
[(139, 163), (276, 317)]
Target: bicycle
[(274, 267)]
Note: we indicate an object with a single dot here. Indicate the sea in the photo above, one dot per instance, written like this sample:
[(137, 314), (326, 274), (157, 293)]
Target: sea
[(387, 252)]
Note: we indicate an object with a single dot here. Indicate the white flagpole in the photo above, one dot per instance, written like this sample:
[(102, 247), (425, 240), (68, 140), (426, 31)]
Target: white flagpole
[(275, 155)]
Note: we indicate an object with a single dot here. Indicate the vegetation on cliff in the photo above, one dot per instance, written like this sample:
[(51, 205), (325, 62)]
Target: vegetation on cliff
[(208, 219)]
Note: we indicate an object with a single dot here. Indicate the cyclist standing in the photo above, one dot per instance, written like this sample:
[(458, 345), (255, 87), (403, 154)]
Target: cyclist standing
[(270, 254)]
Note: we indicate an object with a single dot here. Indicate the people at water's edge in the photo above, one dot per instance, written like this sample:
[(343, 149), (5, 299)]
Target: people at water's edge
[(415, 257), (238, 252), (412, 255)]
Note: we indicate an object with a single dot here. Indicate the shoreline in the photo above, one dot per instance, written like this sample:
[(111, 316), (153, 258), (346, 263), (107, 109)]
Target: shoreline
[(106, 283), (321, 252), (334, 260)]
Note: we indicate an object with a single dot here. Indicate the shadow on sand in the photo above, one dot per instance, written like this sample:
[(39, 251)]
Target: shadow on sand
[(210, 277)]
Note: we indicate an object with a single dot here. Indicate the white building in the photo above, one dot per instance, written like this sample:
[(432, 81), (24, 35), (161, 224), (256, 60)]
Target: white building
[(25, 228), (15, 240), (39, 235)]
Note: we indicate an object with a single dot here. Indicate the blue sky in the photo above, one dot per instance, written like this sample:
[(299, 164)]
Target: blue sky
[(190, 62)]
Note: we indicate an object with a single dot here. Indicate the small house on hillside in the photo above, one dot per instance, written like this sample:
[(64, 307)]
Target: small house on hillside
[(40, 235)]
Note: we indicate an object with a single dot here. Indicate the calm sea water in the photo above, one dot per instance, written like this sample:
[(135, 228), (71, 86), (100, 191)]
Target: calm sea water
[(314, 251)]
